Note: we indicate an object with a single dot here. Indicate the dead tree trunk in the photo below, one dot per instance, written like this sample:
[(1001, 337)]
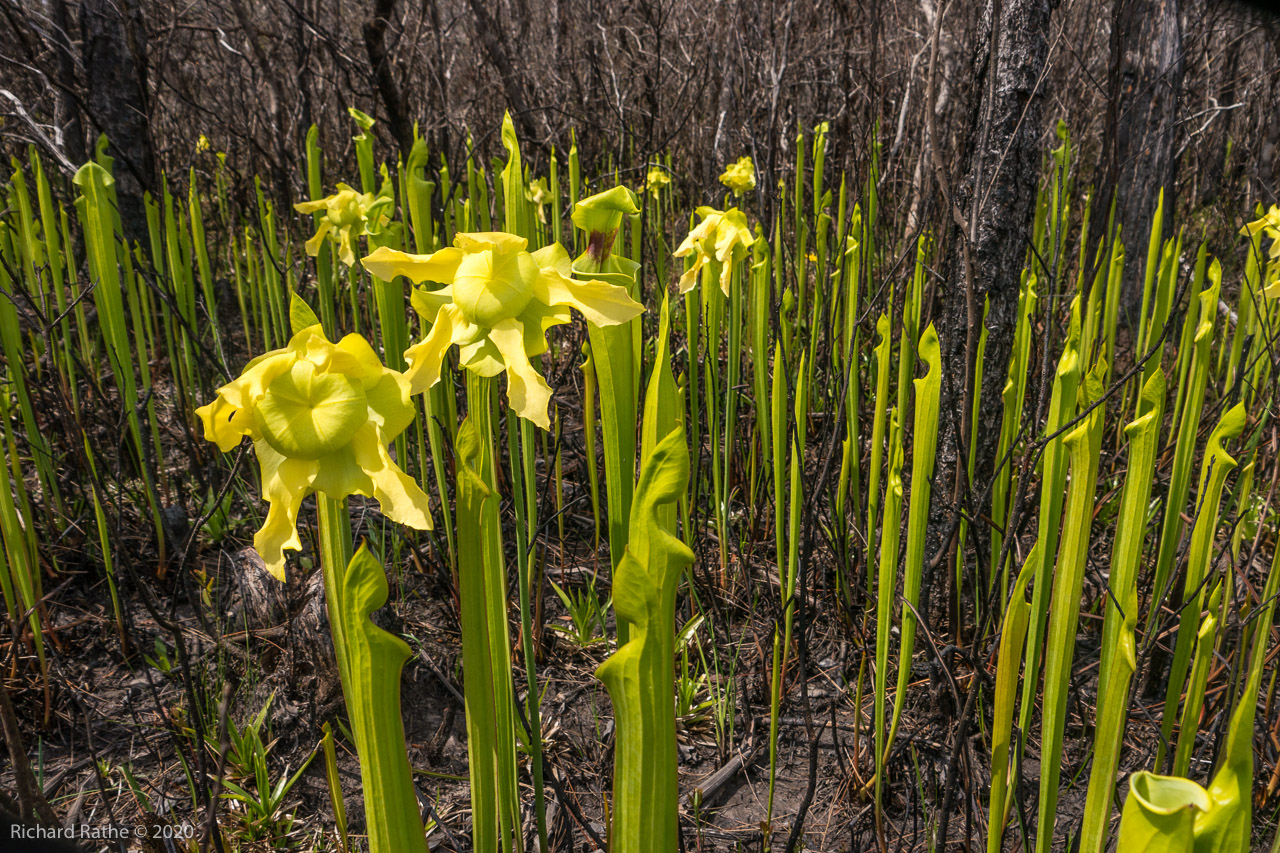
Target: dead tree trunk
[(1003, 177), (1147, 94), (375, 45), (115, 51), (992, 210), (277, 144), (67, 115), (491, 38)]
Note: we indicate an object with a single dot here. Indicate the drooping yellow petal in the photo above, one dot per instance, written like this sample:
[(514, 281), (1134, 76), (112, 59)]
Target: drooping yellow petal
[(219, 418), (554, 257), (528, 393), (354, 356), (242, 391), (426, 356), (229, 416), (700, 241), (285, 482), (689, 244), (439, 266), (536, 319), (429, 302), (726, 277), (340, 474), (689, 278), (314, 206), (345, 251), (389, 408), (401, 499), (601, 303), (313, 245), (311, 344), (481, 357), (305, 342), (733, 236)]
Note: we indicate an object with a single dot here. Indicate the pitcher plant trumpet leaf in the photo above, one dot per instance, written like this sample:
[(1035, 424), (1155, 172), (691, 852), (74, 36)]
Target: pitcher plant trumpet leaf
[(640, 675), (600, 216)]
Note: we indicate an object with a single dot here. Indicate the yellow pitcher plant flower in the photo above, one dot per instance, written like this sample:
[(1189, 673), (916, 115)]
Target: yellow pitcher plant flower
[(498, 302), (1269, 224), (348, 214), (538, 194), (721, 240), (740, 176), (655, 180), (321, 416)]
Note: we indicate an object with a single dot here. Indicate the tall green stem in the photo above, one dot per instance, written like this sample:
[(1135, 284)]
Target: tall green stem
[(486, 660), (523, 472)]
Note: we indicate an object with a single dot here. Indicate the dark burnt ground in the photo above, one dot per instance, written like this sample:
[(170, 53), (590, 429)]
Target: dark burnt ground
[(110, 712)]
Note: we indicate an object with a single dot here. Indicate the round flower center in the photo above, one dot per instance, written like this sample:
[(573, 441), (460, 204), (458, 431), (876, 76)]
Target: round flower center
[(491, 287), (346, 210), (305, 414)]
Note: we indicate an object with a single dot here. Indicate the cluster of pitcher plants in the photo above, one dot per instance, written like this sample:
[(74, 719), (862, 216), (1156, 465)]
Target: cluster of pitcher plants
[(404, 353)]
